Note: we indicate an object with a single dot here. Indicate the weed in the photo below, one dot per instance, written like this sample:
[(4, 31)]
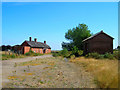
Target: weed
[(15, 65)]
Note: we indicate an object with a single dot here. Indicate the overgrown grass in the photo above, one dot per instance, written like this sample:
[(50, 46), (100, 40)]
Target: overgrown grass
[(68, 54), (49, 61), (114, 56), (6, 56), (31, 53), (104, 71), (9, 55)]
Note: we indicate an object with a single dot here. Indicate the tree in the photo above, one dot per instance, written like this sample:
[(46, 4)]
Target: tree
[(118, 47), (76, 36)]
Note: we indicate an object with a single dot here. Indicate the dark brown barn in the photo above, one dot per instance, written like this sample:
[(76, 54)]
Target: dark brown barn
[(100, 43)]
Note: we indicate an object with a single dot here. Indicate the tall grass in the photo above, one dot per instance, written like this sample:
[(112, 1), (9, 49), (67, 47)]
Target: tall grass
[(5, 55), (105, 72)]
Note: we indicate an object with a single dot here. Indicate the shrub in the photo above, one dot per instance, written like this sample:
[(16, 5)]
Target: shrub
[(116, 55), (101, 56), (93, 55), (37, 54), (80, 52), (31, 53), (72, 57), (109, 56), (55, 54), (27, 54), (12, 56), (65, 53), (75, 51)]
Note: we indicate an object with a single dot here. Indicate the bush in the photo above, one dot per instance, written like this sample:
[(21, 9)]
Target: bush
[(116, 55), (109, 56), (12, 56), (101, 56), (37, 54), (55, 54), (65, 53), (76, 51), (72, 57), (93, 55), (27, 54), (80, 52), (31, 53)]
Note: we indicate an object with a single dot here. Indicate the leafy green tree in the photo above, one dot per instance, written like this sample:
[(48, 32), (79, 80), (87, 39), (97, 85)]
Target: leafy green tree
[(118, 47), (76, 36)]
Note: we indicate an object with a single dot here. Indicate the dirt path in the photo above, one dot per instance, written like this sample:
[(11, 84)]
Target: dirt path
[(44, 72), (8, 65)]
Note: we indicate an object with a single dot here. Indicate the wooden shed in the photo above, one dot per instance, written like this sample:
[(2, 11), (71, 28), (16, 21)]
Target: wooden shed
[(100, 43)]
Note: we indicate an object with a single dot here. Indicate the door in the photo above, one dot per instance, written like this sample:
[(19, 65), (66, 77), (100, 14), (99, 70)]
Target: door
[(44, 50)]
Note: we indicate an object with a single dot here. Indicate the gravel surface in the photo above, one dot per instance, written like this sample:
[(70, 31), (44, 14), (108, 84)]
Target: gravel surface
[(44, 72)]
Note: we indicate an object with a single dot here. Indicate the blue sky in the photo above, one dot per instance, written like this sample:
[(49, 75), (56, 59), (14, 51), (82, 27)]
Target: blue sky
[(50, 20)]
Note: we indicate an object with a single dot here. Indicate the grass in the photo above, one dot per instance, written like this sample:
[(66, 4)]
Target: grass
[(9, 55), (104, 71), (38, 62)]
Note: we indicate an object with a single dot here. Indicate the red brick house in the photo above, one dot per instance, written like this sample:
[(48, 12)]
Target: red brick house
[(37, 47), (100, 43)]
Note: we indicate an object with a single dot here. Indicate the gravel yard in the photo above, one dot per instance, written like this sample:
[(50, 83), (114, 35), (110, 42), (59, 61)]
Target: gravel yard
[(44, 72)]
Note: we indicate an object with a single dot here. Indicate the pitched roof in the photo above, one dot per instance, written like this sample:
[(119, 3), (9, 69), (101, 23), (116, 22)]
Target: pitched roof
[(37, 44), (96, 35)]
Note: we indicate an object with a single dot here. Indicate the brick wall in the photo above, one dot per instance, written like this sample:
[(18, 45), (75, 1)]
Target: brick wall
[(26, 49), (37, 50)]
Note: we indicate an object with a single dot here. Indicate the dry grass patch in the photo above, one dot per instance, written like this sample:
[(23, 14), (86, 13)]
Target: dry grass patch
[(104, 71), (29, 73), (12, 77), (47, 61), (5, 55)]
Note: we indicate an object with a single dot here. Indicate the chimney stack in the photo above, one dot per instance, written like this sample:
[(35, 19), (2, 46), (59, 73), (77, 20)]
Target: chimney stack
[(45, 42), (35, 39), (30, 38)]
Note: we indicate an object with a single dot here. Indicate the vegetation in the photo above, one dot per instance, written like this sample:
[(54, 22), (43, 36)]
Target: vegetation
[(76, 36), (76, 53), (68, 54), (115, 55), (104, 71), (9, 55), (31, 53)]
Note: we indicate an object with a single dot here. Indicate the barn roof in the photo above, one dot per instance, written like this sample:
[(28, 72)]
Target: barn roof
[(37, 44), (96, 35)]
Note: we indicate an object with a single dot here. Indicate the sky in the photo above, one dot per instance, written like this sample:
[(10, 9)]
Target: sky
[(51, 20)]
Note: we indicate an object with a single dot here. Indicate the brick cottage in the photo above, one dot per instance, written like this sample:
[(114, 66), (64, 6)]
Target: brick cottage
[(37, 47)]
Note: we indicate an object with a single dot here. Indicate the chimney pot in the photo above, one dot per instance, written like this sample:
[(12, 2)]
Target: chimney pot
[(45, 42), (35, 39), (30, 38)]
